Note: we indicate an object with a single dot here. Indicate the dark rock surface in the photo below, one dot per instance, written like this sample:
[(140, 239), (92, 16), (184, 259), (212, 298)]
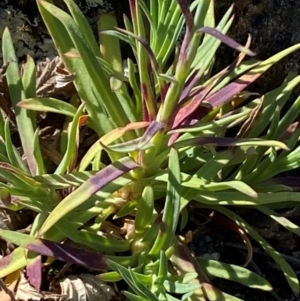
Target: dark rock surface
[(273, 24)]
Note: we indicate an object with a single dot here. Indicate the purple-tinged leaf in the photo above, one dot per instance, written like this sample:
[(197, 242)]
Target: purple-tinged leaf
[(190, 84), (186, 112), (149, 102), (224, 95), (12, 262), (133, 11), (292, 128), (5, 197), (145, 72), (186, 263), (34, 270), (102, 178), (226, 40), (153, 128), (189, 22), (175, 136), (188, 109), (58, 251)]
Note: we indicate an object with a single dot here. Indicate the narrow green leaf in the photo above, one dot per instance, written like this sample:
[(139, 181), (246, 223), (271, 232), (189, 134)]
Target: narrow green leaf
[(84, 26), (145, 210), (128, 146), (186, 140), (215, 165), (38, 154), (184, 218), (126, 209), (110, 277), (48, 104), (12, 153), (128, 276), (102, 243), (288, 118), (74, 128), (234, 273), (74, 179), (20, 174), (163, 269), (99, 95), (29, 77), (133, 297), (172, 206), (240, 199), (26, 126), (110, 46), (104, 177), (280, 219), (237, 185), (180, 288)]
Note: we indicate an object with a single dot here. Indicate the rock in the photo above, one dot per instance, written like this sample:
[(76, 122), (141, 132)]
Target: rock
[(273, 24), (28, 31)]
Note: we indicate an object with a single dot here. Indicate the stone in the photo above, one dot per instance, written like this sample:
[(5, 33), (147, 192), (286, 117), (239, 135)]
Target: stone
[(273, 24)]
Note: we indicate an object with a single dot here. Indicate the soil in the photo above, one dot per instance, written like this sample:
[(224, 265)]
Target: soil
[(213, 240)]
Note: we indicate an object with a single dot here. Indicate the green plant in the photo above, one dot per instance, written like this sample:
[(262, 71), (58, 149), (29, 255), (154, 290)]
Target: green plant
[(164, 138)]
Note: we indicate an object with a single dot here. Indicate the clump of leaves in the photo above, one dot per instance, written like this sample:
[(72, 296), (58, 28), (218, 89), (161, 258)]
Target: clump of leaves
[(163, 145)]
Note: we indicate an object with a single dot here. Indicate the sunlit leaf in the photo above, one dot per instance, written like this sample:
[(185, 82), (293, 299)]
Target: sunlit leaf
[(87, 189), (48, 105), (16, 260), (172, 206), (234, 273)]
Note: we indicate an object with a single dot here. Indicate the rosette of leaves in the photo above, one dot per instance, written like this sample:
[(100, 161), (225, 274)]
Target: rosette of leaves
[(164, 144)]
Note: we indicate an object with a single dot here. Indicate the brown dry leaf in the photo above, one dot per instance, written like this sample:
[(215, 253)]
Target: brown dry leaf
[(25, 292), (3, 83), (85, 287), (54, 80), (4, 94), (46, 70), (248, 124)]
